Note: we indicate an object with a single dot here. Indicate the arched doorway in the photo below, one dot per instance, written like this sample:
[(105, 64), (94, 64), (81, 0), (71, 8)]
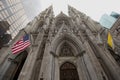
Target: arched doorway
[(68, 72)]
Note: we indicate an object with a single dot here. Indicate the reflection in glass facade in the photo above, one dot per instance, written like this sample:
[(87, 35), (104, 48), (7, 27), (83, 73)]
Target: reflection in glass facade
[(13, 12), (114, 14), (108, 20)]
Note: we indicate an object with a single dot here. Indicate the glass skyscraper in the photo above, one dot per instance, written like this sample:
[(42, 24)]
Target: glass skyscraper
[(13, 12), (108, 20)]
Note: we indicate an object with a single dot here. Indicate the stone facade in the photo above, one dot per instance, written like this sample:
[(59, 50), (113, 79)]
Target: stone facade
[(64, 47)]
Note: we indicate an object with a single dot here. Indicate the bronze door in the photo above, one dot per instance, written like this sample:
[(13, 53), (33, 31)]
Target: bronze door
[(68, 72)]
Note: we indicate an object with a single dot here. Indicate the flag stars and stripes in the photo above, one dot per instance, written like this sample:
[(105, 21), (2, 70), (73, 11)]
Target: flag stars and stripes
[(20, 45)]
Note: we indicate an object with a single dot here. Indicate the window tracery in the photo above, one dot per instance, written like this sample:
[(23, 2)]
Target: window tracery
[(66, 50)]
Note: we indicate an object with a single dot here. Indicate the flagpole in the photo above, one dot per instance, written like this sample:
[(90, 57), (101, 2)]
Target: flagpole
[(24, 31), (29, 36)]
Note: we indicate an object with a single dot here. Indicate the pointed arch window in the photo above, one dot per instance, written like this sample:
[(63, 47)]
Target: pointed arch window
[(66, 50)]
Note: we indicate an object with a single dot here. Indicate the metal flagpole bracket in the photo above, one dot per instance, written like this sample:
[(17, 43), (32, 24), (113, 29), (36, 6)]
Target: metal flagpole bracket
[(25, 31), (12, 60)]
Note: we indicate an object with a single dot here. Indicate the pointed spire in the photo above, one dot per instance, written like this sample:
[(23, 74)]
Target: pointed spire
[(74, 9), (50, 7), (70, 7), (61, 12)]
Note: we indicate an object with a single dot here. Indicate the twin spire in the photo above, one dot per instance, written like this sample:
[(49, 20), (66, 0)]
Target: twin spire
[(69, 9)]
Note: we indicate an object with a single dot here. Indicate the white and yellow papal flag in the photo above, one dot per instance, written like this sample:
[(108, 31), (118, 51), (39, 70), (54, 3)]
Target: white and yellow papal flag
[(110, 40)]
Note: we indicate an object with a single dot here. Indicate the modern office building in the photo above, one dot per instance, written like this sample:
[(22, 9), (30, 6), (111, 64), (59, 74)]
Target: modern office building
[(108, 20), (115, 15), (13, 12)]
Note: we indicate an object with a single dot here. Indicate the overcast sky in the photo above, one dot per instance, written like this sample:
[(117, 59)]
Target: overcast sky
[(32, 8), (93, 8)]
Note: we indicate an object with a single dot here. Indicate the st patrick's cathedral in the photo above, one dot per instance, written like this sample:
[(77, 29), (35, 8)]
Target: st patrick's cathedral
[(63, 47)]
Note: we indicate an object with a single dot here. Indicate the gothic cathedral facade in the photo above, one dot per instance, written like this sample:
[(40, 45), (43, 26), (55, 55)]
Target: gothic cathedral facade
[(62, 47)]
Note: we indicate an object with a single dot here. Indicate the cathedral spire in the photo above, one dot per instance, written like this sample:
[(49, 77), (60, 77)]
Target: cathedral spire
[(70, 36)]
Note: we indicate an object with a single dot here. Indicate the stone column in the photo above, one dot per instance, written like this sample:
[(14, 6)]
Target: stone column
[(57, 69), (29, 64), (47, 66), (106, 57), (53, 68), (82, 70), (27, 69), (94, 68)]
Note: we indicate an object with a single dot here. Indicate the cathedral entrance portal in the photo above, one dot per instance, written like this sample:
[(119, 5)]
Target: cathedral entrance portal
[(68, 72)]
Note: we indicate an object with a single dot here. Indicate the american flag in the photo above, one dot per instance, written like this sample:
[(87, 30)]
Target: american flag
[(20, 45)]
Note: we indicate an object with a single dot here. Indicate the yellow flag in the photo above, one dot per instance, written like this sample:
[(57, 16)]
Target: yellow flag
[(110, 40)]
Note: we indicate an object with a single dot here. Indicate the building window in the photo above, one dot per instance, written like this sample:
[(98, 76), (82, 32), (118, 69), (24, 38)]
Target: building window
[(66, 50)]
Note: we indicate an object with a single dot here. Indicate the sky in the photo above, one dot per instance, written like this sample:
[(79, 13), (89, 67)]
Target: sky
[(32, 8), (93, 8)]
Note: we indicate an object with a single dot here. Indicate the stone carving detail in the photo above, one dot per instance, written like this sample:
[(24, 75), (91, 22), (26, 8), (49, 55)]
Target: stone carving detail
[(66, 50), (63, 47)]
